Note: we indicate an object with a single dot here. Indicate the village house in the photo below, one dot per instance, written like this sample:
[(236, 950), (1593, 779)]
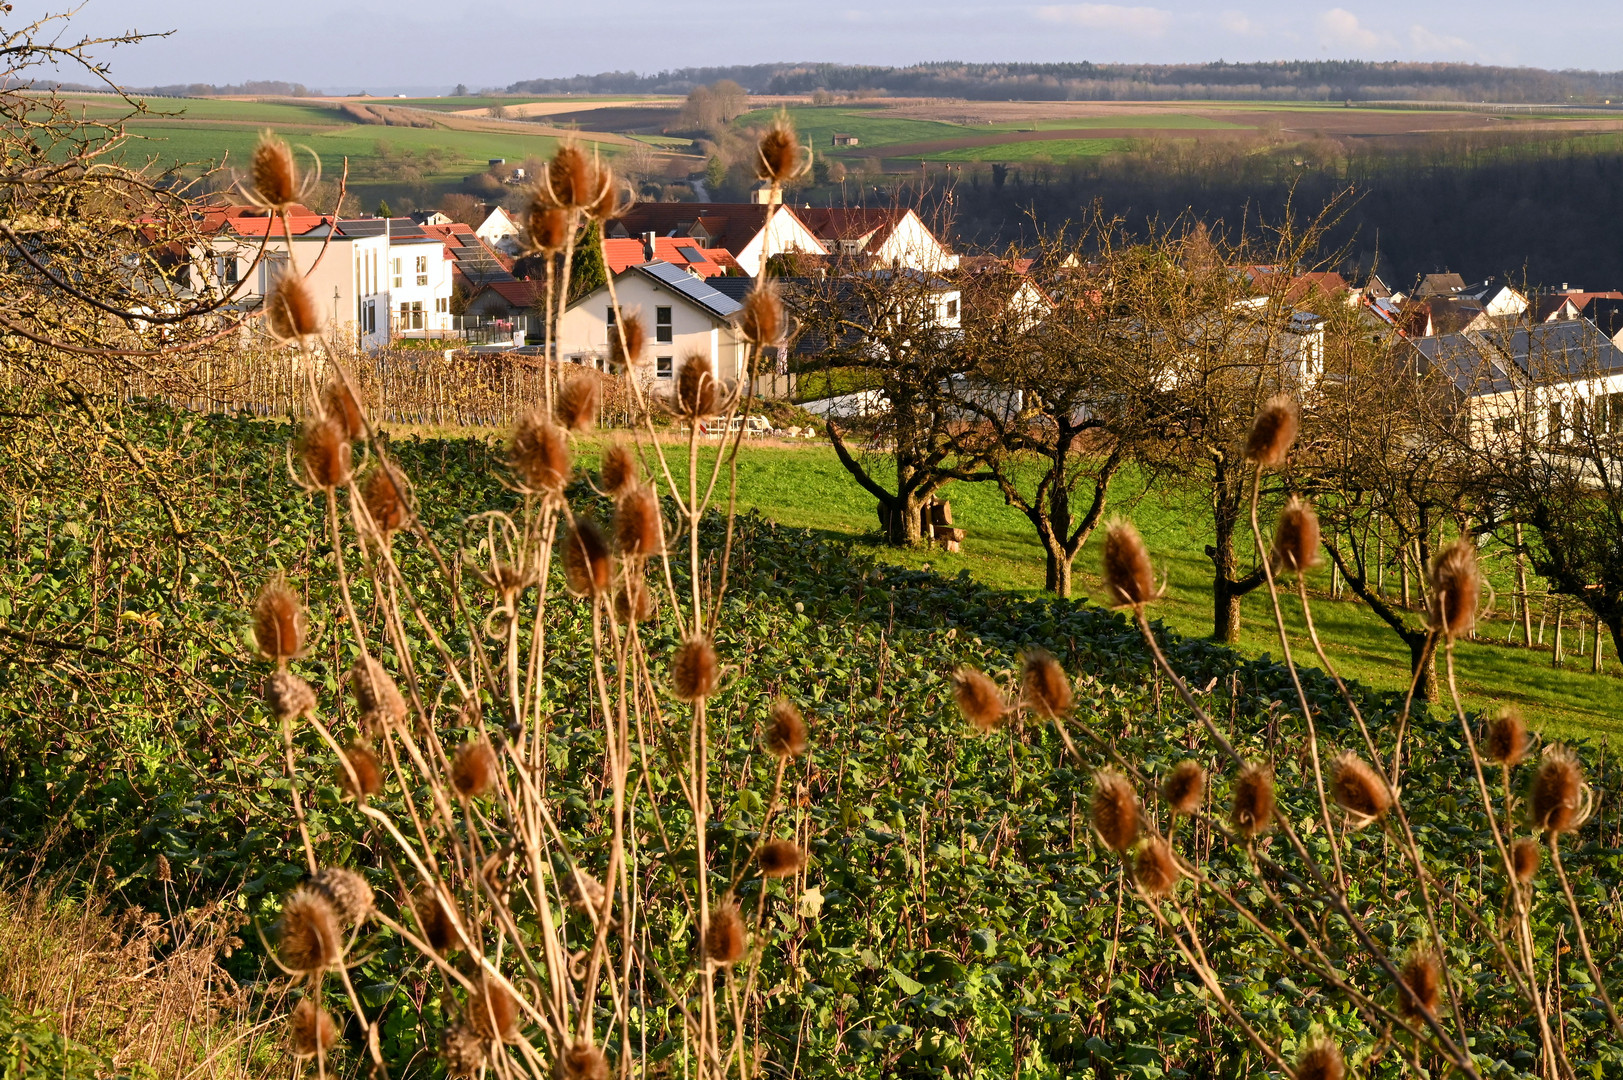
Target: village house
[(500, 231), (418, 274), (682, 316), (891, 237), (751, 233)]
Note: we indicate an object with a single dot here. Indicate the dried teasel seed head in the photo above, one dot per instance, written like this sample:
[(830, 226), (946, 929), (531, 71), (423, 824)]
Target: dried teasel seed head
[(780, 858), (546, 228), (634, 602), (1556, 803), (1507, 741), (572, 179), (615, 197), (279, 622), (1252, 811), (376, 695), (311, 1030), (1113, 810), (577, 402), (695, 673), (310, 938), (629, 353), (1296, 539), (1129, 580), (778, 154), (1047, 690), (583, 891), (273, 174), (474, 769), (439, 928), (462, 1051), (350, 895), (761, 322), (383, 493), (364, 777), (638, 529), (325, 454), (1524, 860), (289, 697), (1184, 788), (582, 1061), (492, 1012), (292, 313), (618, 470), (1273, 431), (587, 569), (1359, 789), (978, 699), (540, 454), (1422, 975), (338, 404), (786, 734), (1456, 586), (724, 936), (694, 396), (1155, 870), (1321, 1060)]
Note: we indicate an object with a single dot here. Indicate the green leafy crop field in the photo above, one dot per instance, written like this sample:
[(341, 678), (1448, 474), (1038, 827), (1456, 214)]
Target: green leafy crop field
[(959, 917)]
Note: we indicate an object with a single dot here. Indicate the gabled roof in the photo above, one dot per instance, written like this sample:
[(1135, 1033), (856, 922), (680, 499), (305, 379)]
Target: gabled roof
[(677, 250), (837, 224), (730, 226), (1439, 285), (252, 221), (1499, 361), (476, 261), (518, 294), (698, 293)]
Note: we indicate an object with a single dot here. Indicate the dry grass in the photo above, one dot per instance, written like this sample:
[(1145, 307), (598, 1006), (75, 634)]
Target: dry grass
[(145, 994)]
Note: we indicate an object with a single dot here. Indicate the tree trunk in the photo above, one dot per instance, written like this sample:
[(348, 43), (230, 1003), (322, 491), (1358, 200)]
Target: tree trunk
[(1057, 571), (1225, 597), (1423, 658), (1521, 591)]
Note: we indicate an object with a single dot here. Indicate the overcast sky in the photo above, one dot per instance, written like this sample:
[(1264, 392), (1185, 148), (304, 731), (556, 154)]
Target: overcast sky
[(419, 43)]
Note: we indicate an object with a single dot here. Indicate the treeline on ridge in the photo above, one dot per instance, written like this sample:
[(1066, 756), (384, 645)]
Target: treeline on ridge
[(1294, 80)]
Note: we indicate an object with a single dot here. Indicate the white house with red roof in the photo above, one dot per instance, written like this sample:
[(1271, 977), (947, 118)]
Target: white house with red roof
[(682, 316), (751, 232), (895, 237)]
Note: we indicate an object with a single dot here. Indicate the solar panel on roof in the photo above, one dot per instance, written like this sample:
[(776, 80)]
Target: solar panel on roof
[(691, 254), (676, 278)]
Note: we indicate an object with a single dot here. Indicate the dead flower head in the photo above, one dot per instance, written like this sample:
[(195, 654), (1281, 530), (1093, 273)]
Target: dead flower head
[(1114, 810), (978, 699), (289, 697), (577, 402), (780, 858), (582, 1061), (761, 322), (624, 355), (1273, 431), (573, 181), (638, 528), (310, 938), (338, 403), (694, 396), (1296, 539), (1422, 975), (376, 695), (384, 496), (474, 769), (1321, 1060), (439, 928), (292, 314), (1559, 801), (618, 470), (1456, 586), (786, 733), (779, 157), (279, 622), (1184, 788), (274, 182), (462, 1051), (587, 569), (492, 1012), (350, 895), (1524, 860), (724, 936), (325, 455), (1252, 812), (547, 228), (1359, 789), (1129, 579), (1507, 741), (1047, 690), (695, 673), (1155, 869), (540, 455), (311, 1030), (364, 777), (634, 602)]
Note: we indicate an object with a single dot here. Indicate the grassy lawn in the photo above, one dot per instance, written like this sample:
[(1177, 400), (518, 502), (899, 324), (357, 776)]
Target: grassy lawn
[(872, 125), (807, 487)]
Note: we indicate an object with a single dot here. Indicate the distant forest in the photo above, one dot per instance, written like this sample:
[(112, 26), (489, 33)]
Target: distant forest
[(268, 87), (1311, 80), (1543, 212)]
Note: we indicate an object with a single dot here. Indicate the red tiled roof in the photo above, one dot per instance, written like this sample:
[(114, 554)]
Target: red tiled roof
[(518, 294), (252, 221), (712, 262), (730, 226)]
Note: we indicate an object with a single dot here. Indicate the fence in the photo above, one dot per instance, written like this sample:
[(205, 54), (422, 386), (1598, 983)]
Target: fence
[(401, 386)]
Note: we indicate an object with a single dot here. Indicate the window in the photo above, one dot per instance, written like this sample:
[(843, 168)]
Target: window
[(442, 304), (416, 314), (1614, 409), (422, 269), (371, 316), (1558, 428), (398, 281), (231, 276), (662, 325), (662, 367), (952, 309), (1504, 424), (609, 318)]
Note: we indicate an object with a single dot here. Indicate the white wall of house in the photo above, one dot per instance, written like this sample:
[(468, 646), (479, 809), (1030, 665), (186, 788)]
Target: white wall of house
[(783, 233), (910, 243), (345, 281), (583, 333), (418, 282), (500, 231)]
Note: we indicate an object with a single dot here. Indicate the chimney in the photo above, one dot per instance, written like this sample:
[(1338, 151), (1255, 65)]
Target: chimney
[(648, 246)]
